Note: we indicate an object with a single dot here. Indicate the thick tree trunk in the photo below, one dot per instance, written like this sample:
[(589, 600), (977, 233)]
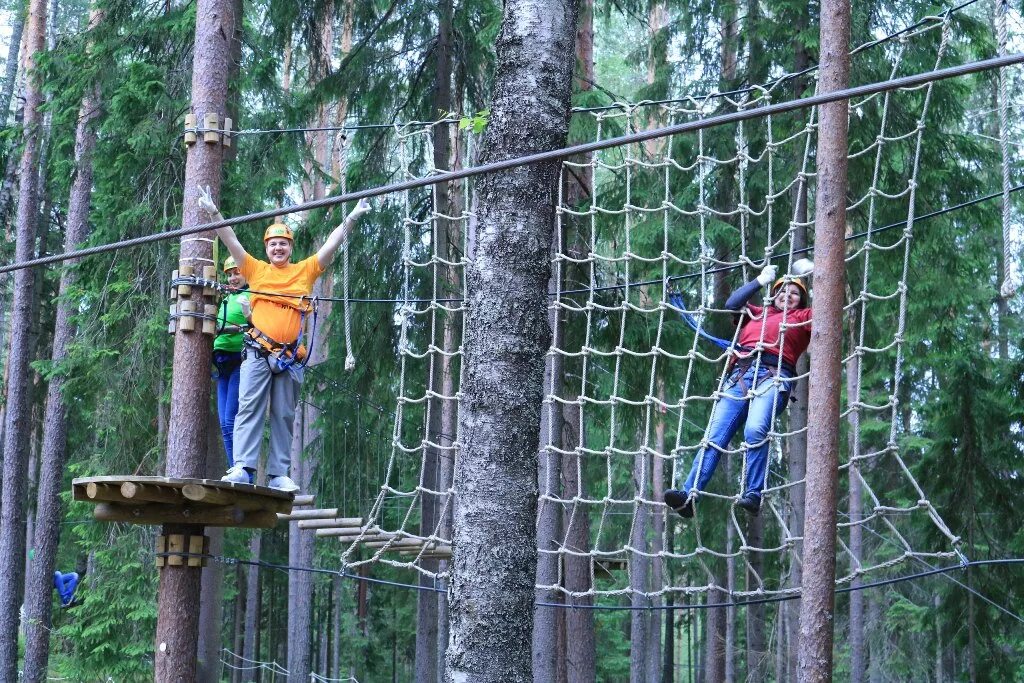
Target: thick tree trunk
[(817, 606), (300, 554), (714, 638), (38, 598), (16, 429), (426, 661), (177, 628), (494, 533)]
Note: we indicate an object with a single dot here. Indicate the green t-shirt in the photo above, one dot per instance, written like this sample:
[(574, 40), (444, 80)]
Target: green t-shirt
[(230, 313)]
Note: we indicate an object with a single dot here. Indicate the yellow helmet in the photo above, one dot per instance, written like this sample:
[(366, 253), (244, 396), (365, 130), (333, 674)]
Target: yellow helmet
[(278, 230), (229, 263), (804, 294)]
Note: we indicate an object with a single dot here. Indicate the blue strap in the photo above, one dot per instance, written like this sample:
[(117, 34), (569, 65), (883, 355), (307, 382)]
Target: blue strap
[(676, 299)]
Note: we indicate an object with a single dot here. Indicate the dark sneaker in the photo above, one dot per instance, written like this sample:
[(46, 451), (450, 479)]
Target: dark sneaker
[(750, 503), (680, 502)]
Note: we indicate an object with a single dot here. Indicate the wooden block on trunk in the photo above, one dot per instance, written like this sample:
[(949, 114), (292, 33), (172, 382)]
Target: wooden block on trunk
[(210, 325), (197, 545), (175, 544), (190, 129), (212, 121), (186, 323)]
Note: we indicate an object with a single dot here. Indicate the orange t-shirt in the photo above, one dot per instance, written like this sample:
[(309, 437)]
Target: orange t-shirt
[(278, 317)]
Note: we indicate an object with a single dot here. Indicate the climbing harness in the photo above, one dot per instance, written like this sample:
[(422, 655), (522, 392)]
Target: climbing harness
[(282, 356)]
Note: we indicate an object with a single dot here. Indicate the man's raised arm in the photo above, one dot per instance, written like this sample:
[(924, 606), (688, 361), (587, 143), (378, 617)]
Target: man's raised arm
[(226, 234), (338, 236)]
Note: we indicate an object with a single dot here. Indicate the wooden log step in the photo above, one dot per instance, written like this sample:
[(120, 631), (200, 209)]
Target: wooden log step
[(351, 533), (138, 492), (157, 513), (315, 513), (336, 523), (304, 500), (246, 500)]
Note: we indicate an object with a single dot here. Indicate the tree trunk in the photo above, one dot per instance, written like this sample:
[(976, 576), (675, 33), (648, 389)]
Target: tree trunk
[(639, 571), (494, 532), (549, 520), (300, 554), (797, 443), (250, 647), (757, 648), (426, 661), (856, 625), (714, 638), (211, 607), (177, 621), (11, 68), (16, 430), (817, 606), (38, 598), (238, 641), (658, 542)]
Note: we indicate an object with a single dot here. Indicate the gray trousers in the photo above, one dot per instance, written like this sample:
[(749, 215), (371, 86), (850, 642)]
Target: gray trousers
[(258, 386)]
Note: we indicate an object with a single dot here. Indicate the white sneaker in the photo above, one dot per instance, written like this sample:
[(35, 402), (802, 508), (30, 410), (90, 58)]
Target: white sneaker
[(282, 483), (237, 475)]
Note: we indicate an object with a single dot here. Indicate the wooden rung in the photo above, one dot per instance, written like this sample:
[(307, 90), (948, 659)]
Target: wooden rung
[(210, 496), (161, 548), (210, 322), (227, 131), (197, 545), (395, 543), (186, 323), (350, 533), (336, 523), (148, 493), (172, 324), (315, 513), (303, 500)]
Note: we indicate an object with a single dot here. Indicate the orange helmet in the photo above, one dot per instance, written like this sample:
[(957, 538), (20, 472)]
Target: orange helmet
[(278, 230), (804, 294)]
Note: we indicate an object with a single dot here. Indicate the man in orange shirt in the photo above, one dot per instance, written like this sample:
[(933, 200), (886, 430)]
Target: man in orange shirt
[(269, 373)]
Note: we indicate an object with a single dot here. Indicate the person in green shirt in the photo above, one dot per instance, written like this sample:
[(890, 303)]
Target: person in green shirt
[(232, 320)]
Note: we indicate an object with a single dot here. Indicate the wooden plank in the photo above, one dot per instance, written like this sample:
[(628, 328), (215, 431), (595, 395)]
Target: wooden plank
[(336, 523), (155, 513), (197, 546), (178, 483), (137, 492), (315, 513), (303, 500)]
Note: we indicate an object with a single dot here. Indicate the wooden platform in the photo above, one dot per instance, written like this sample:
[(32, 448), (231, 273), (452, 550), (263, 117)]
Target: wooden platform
[(165, 500)]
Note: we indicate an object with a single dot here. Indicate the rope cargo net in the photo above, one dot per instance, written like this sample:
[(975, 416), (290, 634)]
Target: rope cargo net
[(636, 224)]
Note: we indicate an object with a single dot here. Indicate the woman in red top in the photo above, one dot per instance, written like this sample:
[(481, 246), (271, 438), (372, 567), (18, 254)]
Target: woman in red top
[(770, 341)]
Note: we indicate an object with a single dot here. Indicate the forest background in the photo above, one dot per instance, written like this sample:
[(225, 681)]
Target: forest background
[(339, 61)]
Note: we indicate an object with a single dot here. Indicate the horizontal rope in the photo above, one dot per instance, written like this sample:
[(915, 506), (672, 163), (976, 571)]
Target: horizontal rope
[(542, 157)]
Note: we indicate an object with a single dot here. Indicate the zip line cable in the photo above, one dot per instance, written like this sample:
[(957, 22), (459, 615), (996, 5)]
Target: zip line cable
[(548, 156), (672, 278)]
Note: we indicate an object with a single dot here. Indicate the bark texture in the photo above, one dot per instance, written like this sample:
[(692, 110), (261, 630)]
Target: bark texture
[(507, 333), (11, 68), (177, 630), (16, 428), (817, 607), (49, 511)]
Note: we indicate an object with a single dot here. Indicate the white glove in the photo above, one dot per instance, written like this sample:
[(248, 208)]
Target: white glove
[(362, 207), (205, 201), (802, 266), (767, 275), (243, 303)]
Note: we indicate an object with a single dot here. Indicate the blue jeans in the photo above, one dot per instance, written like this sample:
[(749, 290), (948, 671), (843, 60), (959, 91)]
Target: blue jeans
[(755, 413), (229, 371)]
